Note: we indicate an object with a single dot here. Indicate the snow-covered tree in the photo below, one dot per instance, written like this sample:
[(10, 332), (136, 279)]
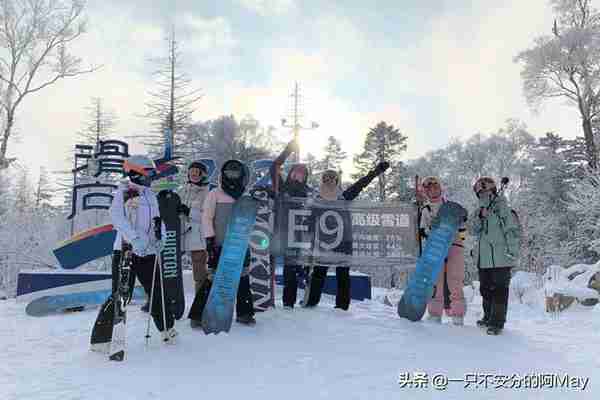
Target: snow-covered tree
[(566, 65), (333, 156)]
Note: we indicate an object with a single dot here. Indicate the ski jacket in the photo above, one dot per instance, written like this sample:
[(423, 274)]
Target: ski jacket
[(134, 218), (193, 196), (497, 236), (428, 212), (216, 215)]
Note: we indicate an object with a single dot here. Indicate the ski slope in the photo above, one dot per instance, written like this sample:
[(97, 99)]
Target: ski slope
[(319, 353)]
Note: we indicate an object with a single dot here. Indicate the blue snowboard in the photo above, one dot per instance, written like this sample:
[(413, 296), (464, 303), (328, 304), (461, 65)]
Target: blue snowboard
[(218, 312), (419, 289), (47, 305)]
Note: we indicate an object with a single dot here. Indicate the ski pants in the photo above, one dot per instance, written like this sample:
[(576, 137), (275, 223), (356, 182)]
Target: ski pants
[(494, 286), (454, 274), (244, 303), (342, 295), (290, 284), (199, 268), (143, 267)]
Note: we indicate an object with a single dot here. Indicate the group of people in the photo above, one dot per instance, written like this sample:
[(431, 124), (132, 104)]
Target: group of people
[(205, 214), (496, 251)]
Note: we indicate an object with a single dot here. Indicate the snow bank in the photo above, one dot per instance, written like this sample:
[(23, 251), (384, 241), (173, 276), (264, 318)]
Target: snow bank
[(572, 281)]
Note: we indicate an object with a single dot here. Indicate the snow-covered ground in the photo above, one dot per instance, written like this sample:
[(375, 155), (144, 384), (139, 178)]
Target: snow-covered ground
[(304, 354)]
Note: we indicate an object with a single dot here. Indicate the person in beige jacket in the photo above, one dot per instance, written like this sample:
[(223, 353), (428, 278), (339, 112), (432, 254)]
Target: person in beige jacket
[(192, 195)]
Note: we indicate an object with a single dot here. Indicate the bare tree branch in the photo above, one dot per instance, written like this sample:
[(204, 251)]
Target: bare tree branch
[(35, 35)]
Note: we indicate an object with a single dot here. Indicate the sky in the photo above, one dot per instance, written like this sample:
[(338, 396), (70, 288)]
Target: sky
[(435, 69)]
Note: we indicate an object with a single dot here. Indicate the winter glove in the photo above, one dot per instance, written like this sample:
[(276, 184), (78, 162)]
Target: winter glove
[(483, 213), (382, 167), (183, 209), (157, 228), (159, 246), (211, 250)]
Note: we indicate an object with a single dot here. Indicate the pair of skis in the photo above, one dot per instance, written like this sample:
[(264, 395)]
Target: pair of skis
[(120, 301)]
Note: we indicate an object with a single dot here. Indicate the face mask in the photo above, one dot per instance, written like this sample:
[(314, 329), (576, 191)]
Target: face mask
[(484, 199), (233, 180)]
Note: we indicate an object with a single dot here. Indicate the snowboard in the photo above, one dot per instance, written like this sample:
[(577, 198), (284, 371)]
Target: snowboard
[(48, 305), (419, 289), (119, 328), (261, 269), (218, 312), (172, 278)]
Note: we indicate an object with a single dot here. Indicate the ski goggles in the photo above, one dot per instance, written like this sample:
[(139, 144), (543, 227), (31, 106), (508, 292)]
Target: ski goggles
[(484, 184), (430, 182), (232, 173)]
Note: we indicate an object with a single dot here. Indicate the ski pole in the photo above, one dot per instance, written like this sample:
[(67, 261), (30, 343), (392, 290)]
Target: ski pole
[(162, 290), (151, 300)]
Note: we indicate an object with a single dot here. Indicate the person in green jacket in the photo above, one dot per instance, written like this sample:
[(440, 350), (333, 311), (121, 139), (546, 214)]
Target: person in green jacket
[(496, 251)]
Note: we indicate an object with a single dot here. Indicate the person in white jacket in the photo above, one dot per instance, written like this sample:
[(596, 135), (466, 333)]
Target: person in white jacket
[(135, 215), (192, 195)]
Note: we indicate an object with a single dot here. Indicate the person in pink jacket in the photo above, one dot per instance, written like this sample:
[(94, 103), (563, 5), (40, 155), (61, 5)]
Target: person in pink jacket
[(454, 269), (216, 214)]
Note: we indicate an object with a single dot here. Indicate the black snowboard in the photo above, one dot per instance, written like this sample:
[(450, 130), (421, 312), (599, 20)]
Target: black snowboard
[(103, 326), (168, 204)]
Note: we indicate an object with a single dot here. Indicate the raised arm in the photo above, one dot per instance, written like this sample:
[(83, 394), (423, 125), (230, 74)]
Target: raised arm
[(277, 164), (353, 191)]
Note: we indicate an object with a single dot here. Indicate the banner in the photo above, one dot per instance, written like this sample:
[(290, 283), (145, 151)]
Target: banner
[(345, 233)]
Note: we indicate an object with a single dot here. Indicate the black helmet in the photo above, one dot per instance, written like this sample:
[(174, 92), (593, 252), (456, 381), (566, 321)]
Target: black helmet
[(234, 178)]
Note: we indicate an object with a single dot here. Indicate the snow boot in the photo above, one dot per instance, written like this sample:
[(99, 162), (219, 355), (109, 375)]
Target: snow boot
[(435, 318), (195, 324), (247, 319), (494, 330)]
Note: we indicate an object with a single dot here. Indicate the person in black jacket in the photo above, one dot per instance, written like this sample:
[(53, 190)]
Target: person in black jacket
[(328, 191), (295, 185)]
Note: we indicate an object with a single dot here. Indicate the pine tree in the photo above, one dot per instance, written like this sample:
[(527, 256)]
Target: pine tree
[(171, 104), (99, 124), (44, 192), (24, 197), (332, 158), (383, 143)]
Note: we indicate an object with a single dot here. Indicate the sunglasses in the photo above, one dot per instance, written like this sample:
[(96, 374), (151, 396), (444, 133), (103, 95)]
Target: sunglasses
[(232, 173), (329, 178), (429, 184)]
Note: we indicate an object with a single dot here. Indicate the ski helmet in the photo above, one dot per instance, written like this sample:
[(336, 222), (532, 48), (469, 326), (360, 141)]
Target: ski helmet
[(201, 167), (296, 181), (139, 169), (234, 178), (484, 183), (298, 173), (431, 180)]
